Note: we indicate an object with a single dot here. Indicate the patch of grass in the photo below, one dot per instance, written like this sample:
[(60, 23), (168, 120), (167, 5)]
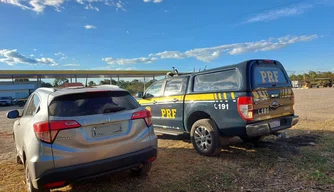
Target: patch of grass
[(321, 177), (315, 162)]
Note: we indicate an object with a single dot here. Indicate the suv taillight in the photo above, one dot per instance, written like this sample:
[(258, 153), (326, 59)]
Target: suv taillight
[(47, 131), (245, 107), (144, 114)]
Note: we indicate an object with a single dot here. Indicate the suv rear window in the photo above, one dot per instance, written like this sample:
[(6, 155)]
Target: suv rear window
[(92, 103), (264, 76), (222, 80)]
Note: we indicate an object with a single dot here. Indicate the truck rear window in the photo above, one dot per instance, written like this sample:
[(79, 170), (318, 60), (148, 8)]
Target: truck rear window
[(264, 76), (92, 103)]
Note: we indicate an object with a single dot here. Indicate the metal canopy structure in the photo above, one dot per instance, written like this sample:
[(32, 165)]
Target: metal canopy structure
[(46, 74), (50, 74)]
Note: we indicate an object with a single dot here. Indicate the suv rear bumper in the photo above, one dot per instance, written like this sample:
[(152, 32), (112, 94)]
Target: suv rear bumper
[(95, 169), (263, 128)]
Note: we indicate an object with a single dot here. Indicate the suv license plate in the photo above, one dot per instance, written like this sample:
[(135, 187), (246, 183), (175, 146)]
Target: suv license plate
[(274, 124), (107, 130)]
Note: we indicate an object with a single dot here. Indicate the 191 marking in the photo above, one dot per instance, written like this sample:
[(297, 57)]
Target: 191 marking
[(221, 106), (263, 111)]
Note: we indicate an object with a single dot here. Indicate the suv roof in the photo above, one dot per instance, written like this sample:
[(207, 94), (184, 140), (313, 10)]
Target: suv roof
[(55, 92)]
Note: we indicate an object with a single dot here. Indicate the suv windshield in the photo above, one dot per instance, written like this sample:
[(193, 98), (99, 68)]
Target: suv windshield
[(92, 103)]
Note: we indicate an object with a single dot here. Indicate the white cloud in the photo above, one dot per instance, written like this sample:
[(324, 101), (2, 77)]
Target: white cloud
[(169, 55), (209, 54), (32, 55), (35, 50), (59, 54), (89, 27), (154, 1), (90, 7), (112, 61), (40, 5), (12, 57), (126, 69), (48, 61), (275, 14), (71, 65)]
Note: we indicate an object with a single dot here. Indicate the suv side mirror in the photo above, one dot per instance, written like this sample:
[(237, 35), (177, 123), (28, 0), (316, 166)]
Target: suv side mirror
[(13, 114), (140, 94)]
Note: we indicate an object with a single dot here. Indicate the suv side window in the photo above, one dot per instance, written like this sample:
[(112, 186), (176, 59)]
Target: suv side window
[(222, 80), (32, 106), (155, 90), (175, 86)]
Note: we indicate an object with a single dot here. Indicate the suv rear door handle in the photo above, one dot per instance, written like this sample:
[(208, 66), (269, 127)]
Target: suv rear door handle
[(175, 100)]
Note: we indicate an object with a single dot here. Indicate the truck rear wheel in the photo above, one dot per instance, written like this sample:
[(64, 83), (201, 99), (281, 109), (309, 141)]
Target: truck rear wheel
[(204, 136)]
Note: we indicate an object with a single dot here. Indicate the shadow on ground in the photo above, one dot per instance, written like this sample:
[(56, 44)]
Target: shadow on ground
[(182, 169)]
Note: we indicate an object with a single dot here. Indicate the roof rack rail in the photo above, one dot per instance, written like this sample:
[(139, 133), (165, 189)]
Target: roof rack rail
[(52, 89), (111, 86), (73, 87)]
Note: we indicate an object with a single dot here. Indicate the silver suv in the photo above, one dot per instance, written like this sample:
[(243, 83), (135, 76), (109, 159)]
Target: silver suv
[(64, 135)]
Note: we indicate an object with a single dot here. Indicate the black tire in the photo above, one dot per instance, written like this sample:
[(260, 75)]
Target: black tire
[(142, 171), (207, 141), (18, 160), (29, 186), (248, 139)]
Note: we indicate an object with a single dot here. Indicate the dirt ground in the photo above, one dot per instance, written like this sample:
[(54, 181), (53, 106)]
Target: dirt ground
[(302, 162)]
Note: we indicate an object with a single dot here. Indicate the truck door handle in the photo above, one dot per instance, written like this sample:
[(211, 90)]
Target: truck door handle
[(155, 102), (175, 100)]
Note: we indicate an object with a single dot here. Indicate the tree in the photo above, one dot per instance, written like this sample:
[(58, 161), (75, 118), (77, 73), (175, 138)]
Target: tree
[(21, 79), (312, 74), (59, 81), (91, 84), (107, 82)]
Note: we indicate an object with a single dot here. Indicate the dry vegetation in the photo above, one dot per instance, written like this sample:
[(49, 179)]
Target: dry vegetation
[(302, 162)]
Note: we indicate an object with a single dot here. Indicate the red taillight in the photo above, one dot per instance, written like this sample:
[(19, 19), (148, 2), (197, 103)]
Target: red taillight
[(267, 61), (54, 184), (144, 114), (47, 131), (245, 107), (150, 160)]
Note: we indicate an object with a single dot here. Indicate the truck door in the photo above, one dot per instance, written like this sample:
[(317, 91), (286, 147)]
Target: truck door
[(171, 105), (151, 99)]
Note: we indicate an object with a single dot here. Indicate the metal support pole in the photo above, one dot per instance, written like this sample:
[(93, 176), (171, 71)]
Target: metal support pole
[(144, 85), (75, 79), (86, 80), (118, 80), (153, 78), (12, 79), (37, 82), (110, 80), (71, 79)]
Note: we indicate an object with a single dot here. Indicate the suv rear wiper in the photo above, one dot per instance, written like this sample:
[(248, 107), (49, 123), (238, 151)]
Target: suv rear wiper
[(113, 109)]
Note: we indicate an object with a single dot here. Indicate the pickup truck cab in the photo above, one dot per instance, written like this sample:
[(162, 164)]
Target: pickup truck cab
[(251, 99)]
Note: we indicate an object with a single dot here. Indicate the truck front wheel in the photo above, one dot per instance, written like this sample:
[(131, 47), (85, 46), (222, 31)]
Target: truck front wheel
[(204, 136)]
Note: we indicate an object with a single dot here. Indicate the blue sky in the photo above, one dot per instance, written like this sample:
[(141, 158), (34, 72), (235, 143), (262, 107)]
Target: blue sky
[(159, 34)]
